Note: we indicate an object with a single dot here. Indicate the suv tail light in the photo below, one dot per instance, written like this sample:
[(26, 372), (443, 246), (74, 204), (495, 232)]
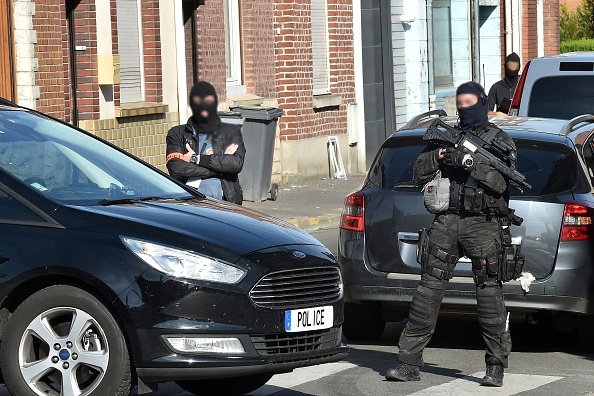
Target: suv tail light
[(353, 213), (577, 223), (515, 105)]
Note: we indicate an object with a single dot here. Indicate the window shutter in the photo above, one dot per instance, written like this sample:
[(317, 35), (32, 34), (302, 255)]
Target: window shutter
[(129, 50), (319, 41)]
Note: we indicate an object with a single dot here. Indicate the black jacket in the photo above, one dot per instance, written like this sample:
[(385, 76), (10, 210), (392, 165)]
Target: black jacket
[(495, 184), (223, 166)]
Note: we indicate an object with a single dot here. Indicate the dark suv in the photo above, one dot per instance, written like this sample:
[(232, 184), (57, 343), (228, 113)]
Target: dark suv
[(380, 224)]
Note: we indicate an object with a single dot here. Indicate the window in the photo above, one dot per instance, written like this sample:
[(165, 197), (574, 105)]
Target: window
[(71, 167), (13, 210), (319, 42), (562, 97), (442, 42), (232, 43), (130, 50), (393, 167)]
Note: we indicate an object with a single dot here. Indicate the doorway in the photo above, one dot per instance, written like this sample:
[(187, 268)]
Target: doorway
[(378, 86)]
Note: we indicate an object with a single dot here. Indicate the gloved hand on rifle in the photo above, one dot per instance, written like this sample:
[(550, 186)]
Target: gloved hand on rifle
[(455, 156)]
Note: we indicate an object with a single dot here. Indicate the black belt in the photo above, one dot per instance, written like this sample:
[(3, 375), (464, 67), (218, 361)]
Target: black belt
[(442, 254), (439, 273)]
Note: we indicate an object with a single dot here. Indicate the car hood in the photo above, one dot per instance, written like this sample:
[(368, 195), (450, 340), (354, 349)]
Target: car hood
[(196, 222)]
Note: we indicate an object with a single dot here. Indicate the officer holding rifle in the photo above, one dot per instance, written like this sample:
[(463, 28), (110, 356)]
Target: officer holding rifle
[(474, 221)]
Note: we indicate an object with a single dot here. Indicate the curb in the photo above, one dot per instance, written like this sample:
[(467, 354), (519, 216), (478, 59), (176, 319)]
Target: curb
[(308, 223)]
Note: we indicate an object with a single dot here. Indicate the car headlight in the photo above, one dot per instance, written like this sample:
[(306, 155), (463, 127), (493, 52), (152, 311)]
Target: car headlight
[(184, 263)]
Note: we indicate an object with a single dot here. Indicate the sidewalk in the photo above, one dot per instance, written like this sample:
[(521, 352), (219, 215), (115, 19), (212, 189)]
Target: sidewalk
[(310, 206)]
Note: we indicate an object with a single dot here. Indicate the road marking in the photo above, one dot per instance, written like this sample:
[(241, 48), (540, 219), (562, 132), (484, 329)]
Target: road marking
[(470, 385), (300, 376)]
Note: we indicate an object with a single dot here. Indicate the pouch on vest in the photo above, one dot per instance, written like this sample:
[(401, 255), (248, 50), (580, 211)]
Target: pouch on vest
[(436, 194)]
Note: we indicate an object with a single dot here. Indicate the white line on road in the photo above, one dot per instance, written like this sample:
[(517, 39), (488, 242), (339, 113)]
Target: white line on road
[(470, 386), (300, 376)]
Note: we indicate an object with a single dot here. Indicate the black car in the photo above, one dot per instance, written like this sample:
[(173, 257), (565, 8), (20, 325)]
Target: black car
[(112, 274), (381, 223)]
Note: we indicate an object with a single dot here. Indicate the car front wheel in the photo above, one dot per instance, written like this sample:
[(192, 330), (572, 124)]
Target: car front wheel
[(63, 341), (225, 386)]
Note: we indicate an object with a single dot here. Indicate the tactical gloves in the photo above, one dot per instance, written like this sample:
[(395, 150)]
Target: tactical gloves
[(456, 157)]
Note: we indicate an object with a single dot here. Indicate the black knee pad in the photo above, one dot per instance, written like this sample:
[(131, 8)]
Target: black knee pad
[(425, 305), (491, 308)]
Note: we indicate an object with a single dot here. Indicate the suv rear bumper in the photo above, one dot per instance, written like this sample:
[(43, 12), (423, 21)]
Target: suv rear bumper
[(570, 288)]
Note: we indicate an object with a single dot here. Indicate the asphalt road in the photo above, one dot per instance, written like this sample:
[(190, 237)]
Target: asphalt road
[(542, 363)]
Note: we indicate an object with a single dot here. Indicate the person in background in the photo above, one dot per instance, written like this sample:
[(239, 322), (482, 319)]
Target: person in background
[(502, 92), (206, 153)]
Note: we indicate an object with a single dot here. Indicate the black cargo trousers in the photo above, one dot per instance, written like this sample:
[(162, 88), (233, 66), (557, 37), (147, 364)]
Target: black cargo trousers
[(480, 239)]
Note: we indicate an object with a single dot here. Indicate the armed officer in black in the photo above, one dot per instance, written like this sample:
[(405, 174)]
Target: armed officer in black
[(471, 227)]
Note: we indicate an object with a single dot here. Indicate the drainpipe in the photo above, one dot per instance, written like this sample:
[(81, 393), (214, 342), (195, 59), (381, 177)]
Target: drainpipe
[(431, 84), (475, 41), (508, 27)]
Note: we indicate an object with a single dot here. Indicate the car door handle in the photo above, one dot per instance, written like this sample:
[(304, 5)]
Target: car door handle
[(408, 236)]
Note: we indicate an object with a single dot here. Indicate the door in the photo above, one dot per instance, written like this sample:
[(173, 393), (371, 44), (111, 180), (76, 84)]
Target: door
[(378, 87), (7, 88)]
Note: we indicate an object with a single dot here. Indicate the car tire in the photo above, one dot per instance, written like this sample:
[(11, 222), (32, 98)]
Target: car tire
[(363, 322), (225, 386), (585, 333), (62, 336)]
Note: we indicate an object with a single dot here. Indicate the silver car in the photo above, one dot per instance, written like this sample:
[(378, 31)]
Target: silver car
[(380, 224)]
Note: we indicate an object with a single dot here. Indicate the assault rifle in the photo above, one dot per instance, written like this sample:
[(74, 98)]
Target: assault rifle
[(494, 152)]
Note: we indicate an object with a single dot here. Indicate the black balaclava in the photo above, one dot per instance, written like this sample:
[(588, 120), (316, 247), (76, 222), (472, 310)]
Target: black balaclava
[(476, 114), (210, 123), (511, 75)]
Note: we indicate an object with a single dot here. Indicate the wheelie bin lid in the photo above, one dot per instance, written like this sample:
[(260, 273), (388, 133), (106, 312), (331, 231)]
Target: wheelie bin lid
[(258, 113)]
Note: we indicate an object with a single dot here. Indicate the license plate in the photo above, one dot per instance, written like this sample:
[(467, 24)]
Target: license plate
[(306, 319)]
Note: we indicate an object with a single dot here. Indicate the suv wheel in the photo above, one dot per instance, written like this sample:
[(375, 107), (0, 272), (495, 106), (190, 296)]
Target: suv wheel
[(585, 333), (63, 341), (226, 386), (363, 322)]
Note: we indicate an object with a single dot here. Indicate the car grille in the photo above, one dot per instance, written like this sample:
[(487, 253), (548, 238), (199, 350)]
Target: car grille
[(300, 288), (289, 343)]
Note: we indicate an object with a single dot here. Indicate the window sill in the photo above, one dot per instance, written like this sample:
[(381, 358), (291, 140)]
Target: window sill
[(323, 101), (140, 109), (244, 100)]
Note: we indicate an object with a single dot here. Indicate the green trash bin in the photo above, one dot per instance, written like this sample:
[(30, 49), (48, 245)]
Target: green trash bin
[(259, 131)]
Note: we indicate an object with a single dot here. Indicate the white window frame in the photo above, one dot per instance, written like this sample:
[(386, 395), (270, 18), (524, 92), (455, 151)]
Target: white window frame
[(321, 70), (234, 43)]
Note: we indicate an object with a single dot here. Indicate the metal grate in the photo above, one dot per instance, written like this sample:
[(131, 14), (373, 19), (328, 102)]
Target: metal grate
[(298, 288), (288, 343)]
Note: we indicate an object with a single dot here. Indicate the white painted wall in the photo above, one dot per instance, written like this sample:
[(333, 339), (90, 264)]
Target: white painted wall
[(490, 50)]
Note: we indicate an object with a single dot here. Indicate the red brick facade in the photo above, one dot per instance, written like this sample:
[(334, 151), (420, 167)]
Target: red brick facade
[(151, 34), (529, 31), (294, 69), (211, 45), (552, 41), (53, 73)]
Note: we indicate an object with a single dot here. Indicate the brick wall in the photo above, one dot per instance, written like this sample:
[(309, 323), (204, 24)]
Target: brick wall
[(53, 71), (151, 34), (87, 90), (257, 22), (529, 31), (294, 69), (551, 27), (571, 4), (211, 45)]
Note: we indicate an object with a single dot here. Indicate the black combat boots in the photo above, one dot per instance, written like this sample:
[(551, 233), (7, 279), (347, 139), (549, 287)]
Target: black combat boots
[(494, 375), (403, 372)]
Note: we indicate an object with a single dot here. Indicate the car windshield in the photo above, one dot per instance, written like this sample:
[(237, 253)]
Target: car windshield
[(71, 167), (562, 97), (550, 168)]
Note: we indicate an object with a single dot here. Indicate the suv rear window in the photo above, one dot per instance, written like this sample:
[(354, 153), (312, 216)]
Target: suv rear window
[(562, 97), (550, 168)]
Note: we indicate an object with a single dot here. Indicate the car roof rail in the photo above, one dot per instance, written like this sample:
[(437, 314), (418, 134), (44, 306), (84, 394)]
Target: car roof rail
[(569, 126), (415, 121)]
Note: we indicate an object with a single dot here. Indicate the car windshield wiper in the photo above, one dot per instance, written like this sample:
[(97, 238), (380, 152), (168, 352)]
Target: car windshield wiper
[(405, 185), (107, 202)]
